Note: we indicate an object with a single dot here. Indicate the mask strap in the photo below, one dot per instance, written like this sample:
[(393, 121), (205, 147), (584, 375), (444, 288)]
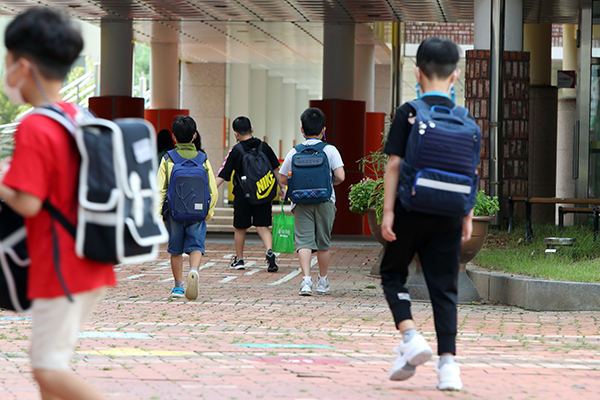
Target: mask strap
[(38, 83)]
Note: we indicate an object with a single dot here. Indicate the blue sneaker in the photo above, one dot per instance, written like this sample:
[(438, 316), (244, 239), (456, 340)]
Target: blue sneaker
[(177, 292)]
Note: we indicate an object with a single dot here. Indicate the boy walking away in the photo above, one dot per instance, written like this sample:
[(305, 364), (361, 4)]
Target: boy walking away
[(310, 170), (433, 149), (42, 44), (188, 193), (255, 186)]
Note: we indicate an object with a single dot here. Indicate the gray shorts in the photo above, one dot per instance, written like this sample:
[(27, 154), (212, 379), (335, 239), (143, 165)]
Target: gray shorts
[(313, 225)]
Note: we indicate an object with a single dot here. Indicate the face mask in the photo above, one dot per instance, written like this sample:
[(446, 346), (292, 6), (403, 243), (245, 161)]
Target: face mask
[(13, 92)]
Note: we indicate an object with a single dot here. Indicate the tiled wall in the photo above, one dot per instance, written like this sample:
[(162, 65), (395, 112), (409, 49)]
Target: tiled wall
[(515, 116)]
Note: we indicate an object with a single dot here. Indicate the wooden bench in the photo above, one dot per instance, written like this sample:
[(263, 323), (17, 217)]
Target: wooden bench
[(578, 210), (548, 200)]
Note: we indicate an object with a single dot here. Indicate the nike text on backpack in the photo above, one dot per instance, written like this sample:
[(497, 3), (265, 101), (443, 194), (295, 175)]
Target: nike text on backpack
[(117, 195), (310, 181), (14, 261), (438, 174), (258, 181), (188, 193)]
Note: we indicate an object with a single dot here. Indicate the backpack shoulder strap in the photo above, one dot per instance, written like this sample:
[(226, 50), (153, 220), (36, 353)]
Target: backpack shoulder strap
[(174, 155), (59, 115), (320, 146), (461, 112), (200, 158), (240, 148), (419, 105)]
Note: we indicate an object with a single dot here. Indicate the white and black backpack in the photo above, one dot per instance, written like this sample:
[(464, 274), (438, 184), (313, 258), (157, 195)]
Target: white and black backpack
[(117, 194)]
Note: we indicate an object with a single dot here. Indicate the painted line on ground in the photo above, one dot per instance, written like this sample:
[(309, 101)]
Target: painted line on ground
[(118, 335), (282, 346), (228, 279), (287, 277), (207, 265), (252, 272), (168, 279), (134, 276), (136, 352)]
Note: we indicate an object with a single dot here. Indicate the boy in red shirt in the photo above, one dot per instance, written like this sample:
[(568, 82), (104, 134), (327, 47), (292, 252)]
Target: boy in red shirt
[(42, 44)]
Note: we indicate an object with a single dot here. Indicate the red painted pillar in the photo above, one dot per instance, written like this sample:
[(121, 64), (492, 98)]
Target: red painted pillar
[(113, 107), (163, 118), (346, 121)]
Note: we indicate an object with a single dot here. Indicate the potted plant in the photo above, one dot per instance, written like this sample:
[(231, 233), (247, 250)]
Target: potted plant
[(484, 210)]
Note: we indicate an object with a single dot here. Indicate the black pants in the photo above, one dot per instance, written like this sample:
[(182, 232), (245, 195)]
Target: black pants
[(437, 242)]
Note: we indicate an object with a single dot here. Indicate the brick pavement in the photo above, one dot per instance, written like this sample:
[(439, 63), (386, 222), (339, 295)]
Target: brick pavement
[(250, 336)]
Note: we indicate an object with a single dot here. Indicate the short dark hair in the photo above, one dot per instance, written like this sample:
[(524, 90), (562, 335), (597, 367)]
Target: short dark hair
[(47, 38), (184, 128), (313, 121), (242, 125), (437, 57)]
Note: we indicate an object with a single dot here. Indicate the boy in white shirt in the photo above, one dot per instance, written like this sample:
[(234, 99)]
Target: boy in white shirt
[(314, 221)]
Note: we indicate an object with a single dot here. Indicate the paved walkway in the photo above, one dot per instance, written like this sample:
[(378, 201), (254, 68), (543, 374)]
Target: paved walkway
[(250, 336)]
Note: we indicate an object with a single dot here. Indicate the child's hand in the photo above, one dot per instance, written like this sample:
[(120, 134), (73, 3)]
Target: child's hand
[(4, 166), (282, 194), (467, 228), (387, 226)]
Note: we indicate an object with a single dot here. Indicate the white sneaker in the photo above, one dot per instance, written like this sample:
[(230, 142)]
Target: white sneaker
[(306, 286), (322, 285), (410, 355), (191, 292), (449, 377)]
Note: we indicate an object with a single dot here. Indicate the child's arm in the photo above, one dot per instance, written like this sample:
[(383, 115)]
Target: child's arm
[(392, 175), (161, 180), (23, 203), (339, 175), (214, 194), (467, 227)]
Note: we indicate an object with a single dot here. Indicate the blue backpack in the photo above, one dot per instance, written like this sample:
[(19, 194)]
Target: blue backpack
[(438, 174), (310, 181), (188, 193)]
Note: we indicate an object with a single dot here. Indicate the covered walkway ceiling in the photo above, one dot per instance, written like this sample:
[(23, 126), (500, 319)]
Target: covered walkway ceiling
[(284, 36)]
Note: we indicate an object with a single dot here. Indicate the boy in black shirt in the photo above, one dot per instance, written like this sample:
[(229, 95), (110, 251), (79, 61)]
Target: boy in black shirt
[(436, 239), (245, 214)]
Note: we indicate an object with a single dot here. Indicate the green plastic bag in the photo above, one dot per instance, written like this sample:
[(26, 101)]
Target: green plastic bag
[(283, 233)]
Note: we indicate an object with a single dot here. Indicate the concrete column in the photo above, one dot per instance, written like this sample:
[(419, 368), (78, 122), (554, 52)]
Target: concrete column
[(537, 40), (302, 103), (274, 110), (164, 75), (566, 118), (203, 92), (513, 25), (382, 88), (239, 95), (288, 118), (116, 55), (258, 101), (364, 75), (338, 61)]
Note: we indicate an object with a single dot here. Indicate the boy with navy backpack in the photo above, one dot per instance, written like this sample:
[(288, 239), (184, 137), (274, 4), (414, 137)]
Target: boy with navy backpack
[(310, 170), (430, 190), (188, 193)]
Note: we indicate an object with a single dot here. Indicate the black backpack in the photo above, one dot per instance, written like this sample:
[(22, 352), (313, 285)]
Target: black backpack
[(117, 196), (258, 181), (14, 261)]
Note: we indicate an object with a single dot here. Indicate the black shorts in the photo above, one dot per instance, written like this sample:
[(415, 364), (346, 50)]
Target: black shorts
[(245, 214)]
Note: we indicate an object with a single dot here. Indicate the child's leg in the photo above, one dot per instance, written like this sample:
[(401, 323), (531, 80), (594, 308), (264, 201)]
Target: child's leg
[(323, 256), (239, 238), (265, 234), (304, 256), (56, 325), (195, 259), (64, 385), (177, 267), (440, 260)]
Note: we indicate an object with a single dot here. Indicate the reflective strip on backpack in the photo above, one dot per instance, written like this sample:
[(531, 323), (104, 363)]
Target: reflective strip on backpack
[(448, 187)]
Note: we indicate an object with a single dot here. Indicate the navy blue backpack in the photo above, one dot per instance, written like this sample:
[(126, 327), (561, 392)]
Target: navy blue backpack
[(310, 181), (188, 193), (438, 174)]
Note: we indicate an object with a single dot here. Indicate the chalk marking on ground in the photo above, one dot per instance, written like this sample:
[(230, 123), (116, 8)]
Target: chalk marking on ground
[(252, 272), (228, 279), (287, 277), (134, 276)]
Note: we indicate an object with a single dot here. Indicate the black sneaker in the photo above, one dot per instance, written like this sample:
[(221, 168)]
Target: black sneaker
[(237, 264), (271, 261)]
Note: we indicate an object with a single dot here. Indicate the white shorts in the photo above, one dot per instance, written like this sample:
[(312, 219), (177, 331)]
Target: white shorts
[(56, 326)]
